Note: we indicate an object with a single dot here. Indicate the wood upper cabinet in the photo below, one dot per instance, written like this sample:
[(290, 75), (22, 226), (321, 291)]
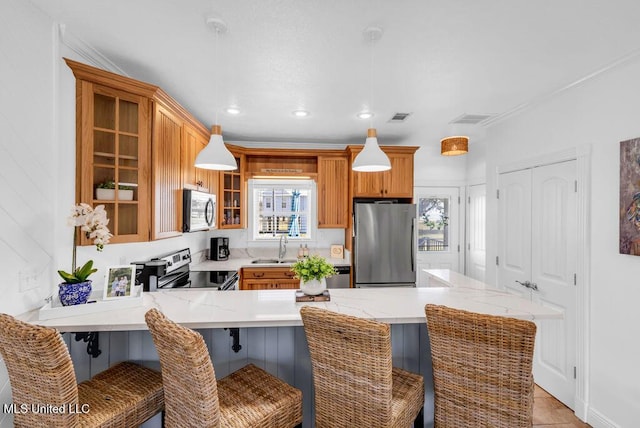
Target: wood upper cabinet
[(398, 182), (231, 196), (167, 174), (333, 179), (268, 278), (113, 144), (204, 180), (132, 133), (395, 183)]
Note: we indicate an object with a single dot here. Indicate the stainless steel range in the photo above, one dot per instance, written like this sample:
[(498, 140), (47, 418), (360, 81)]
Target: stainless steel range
[(171, 271)]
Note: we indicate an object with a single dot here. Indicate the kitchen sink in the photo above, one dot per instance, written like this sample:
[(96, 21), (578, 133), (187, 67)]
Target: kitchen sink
[(272, 261)]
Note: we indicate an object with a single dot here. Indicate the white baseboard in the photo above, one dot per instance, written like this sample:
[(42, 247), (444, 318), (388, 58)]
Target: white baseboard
[(598, 420), (581, 409)]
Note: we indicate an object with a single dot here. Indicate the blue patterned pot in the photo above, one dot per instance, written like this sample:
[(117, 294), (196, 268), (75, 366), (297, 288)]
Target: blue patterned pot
[(74, 294)]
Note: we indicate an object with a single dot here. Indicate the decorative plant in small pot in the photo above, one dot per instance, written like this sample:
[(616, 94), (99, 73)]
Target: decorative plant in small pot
[(76, 288), (106, 191), (313, 272)]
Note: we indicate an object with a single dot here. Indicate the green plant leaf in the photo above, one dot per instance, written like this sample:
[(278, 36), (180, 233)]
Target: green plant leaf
[(79, 275)]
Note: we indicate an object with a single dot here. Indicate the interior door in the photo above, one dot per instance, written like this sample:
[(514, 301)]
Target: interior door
[(514, 252), (438, 234), (537, 260), (476, 232), (553, 270)]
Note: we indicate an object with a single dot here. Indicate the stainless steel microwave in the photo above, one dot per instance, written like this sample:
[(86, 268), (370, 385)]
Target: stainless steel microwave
[(198, 210)]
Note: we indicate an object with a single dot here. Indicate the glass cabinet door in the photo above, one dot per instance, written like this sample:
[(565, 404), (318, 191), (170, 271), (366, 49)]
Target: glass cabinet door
[(114, 151), (232, 190)]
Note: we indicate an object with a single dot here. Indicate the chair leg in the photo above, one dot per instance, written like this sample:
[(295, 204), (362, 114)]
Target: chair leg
[(419, 421)]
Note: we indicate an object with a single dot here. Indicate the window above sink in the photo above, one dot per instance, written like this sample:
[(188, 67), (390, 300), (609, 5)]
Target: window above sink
[(282, 207)]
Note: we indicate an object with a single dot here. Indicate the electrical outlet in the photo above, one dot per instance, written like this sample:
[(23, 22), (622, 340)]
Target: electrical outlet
[(27, 280)]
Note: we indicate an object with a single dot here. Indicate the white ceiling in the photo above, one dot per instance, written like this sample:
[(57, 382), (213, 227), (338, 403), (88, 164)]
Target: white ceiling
[(437, 59)]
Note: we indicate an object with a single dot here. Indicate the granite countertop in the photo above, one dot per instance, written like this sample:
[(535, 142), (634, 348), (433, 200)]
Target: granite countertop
[(199, 308), (243, 257)]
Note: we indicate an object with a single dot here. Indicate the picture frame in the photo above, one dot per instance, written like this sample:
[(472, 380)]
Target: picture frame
[(629, 211), (119, 282)]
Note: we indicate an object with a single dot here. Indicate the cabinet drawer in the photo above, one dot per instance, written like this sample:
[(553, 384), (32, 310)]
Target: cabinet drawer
[(267, 273), (270, 284)]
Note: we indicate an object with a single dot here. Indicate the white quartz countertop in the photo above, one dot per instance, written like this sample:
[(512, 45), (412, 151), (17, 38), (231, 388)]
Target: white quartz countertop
[(454, 279), (201, 308)]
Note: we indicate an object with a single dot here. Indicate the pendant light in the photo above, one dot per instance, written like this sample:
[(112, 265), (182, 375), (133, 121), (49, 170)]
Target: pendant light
[(371, 158), (454, 146), (216, 155)]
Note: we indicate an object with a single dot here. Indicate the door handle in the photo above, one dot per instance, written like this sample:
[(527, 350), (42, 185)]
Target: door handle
[(528, 284)]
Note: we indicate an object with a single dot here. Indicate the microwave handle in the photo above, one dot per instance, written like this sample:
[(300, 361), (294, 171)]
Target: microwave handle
[(209, 211)]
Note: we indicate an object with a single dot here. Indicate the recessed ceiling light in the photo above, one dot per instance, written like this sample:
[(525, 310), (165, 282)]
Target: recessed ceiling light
[(301, 113), (233, 110), (365, 115)]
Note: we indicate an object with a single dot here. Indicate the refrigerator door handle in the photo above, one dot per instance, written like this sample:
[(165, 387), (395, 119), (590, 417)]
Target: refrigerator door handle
[(413, 244)]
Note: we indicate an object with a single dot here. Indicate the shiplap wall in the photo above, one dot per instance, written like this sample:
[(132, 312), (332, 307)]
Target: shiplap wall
[(28, 163), (281, 351)]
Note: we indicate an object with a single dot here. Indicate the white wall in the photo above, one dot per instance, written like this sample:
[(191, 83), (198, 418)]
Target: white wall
[(600, 114), (430, 168), (27, 163)]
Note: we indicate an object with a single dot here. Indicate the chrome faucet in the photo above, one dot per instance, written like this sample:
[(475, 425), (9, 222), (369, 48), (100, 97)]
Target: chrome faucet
[(282, 249)]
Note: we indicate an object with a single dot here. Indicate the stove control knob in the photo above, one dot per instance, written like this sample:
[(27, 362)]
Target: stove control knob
[(169, 264)]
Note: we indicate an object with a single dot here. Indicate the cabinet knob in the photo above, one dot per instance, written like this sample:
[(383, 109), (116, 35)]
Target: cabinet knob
[(258, 274)]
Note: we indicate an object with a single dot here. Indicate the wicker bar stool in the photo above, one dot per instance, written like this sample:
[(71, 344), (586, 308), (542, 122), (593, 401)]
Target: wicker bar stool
[(249, 397), (354, 380), (42, 379), (481, 369)]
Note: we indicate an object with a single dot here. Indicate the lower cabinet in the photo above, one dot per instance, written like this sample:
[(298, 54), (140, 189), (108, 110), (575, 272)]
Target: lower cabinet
[(268, 278)]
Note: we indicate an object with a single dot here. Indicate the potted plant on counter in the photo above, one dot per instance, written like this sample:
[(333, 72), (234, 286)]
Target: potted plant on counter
[(313, 272), (106, 191), (76, 288)]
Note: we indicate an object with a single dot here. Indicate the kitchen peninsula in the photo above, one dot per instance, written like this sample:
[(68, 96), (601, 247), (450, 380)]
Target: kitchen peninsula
[(270, 329), (204, 308)]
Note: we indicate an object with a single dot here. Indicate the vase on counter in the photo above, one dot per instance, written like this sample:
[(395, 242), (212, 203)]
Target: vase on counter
[(74, 293), (313, 287)]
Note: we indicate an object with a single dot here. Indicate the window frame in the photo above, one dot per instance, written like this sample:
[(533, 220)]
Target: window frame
[(292, 183)]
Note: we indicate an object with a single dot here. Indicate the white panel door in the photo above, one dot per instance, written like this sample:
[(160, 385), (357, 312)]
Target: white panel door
[(514, 216), (438, 234), (476, 232), (537, 260), (553, 270)]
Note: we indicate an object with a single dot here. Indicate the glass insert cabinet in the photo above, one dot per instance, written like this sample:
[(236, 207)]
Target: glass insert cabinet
[(114, 158), (232, 190)]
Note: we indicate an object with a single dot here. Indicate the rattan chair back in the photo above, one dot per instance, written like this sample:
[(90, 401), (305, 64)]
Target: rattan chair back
[(352, 371), (40, 372), (45, 393), (190, 387), (482, 369)]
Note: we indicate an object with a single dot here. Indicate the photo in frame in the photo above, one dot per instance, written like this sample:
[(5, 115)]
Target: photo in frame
[(630, 197), (118, 282)]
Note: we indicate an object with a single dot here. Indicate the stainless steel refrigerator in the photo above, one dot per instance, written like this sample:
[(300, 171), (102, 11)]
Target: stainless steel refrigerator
[(384, 246)]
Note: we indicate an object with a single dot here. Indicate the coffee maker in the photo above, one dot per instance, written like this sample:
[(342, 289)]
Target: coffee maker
[(219, 248)]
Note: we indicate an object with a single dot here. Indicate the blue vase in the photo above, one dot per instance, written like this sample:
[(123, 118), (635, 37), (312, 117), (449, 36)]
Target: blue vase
[(74, 294)]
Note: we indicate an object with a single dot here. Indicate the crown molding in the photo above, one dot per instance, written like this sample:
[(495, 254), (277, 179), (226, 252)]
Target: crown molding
[(625, 59), (87, 52)]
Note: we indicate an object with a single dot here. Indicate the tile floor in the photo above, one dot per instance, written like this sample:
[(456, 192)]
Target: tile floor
[(550, 413)]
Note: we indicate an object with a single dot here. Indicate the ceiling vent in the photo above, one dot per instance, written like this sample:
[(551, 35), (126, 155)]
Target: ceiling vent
[(399, 117), (471, 119)]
